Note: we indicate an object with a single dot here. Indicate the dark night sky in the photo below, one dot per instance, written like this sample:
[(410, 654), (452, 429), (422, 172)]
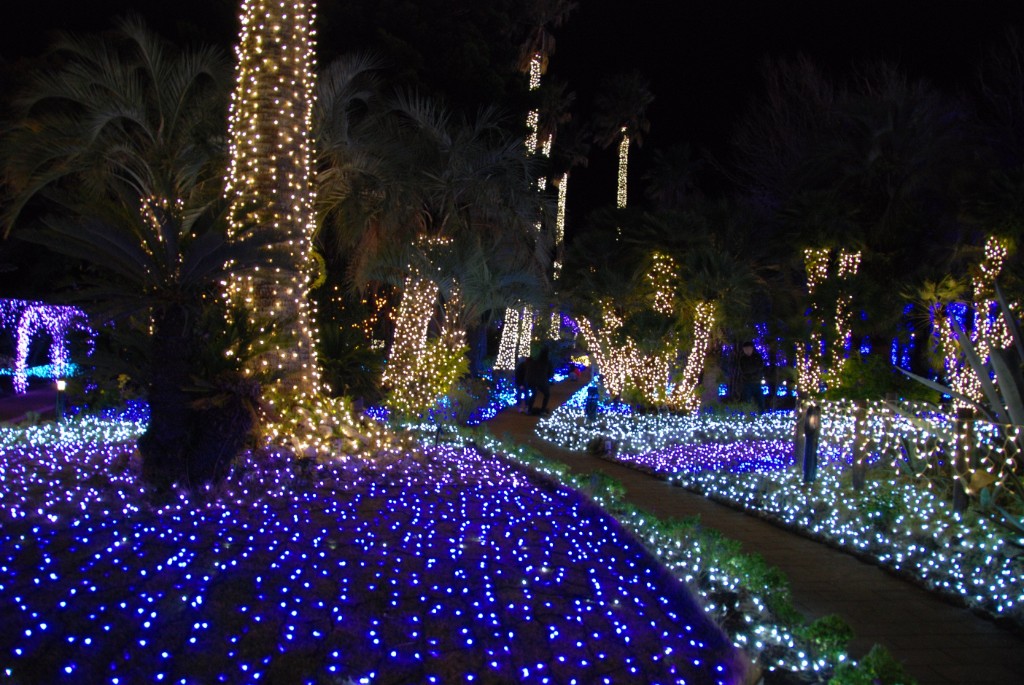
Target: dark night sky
[(702, 57)]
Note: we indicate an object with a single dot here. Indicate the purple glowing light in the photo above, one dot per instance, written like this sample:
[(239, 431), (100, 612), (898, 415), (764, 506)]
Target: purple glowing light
[(434, 567), (29, 318)]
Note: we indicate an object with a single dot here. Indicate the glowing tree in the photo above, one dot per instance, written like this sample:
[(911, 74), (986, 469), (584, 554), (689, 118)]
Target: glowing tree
[(849, 264), (622, 119), (808, 358), (270, 182), (685, 393), (989, 331)]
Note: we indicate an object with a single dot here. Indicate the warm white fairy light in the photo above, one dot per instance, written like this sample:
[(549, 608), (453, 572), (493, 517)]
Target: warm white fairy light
[(849, 264), (271, 186), (525, 332), (816, 264), (536, 67), (661, 279), (419, 297), (516, 337), (563, 189), (686, 394), (748, 461), (509, 344), (620, 194), (532, 123), (808, 357), (988, 332)]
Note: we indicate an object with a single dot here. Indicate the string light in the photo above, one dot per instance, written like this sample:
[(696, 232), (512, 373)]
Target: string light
[(270, 184), (849, 264), (419, 298), (901, 523), (525, 331), (685, 394), (563, 189), (809, 357), (661, 280), (388, 569), (507, 348), (28, 319), (989, 332)]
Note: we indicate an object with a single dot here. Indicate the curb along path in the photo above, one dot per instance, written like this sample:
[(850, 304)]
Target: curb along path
[(938, 643)]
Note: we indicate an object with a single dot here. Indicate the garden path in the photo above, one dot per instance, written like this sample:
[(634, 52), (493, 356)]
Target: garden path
[(938, 643)]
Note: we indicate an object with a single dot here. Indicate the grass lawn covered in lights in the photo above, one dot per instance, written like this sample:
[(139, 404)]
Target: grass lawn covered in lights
[(415, 566), (748, 461)]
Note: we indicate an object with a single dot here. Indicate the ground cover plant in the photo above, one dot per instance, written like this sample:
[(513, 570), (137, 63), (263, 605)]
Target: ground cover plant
[(749, 599), (415, 566)]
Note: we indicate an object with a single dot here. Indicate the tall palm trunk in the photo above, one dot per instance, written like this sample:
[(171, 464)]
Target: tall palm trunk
[(271, 179), (165, 442)]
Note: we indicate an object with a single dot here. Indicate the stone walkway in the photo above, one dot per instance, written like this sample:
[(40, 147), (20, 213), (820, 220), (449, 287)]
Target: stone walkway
[(938, 643)]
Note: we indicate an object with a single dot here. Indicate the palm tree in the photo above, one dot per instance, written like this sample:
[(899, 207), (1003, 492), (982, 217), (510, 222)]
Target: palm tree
[(270, 180), (120, 149), (542, 16), (622, 117), (672, 179), (448, 198)]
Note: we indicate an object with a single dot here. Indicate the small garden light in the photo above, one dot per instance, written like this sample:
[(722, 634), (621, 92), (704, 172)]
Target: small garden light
[(62, 386)]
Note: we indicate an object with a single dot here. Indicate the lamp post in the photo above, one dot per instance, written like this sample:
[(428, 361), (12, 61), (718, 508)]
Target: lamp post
[(62, 386)]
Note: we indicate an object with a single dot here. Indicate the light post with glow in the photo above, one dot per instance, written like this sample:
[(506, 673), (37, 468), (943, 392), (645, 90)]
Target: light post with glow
[(62, 386)]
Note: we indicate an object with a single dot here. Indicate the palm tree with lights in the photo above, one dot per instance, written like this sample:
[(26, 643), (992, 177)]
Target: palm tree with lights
[(622, 118), (120, 152), (271, 183), (439, 206), (536, 50)]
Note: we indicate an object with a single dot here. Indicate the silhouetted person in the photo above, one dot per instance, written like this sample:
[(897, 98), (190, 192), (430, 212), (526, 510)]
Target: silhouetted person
[(751, 368), (538, 378), (523, 396)]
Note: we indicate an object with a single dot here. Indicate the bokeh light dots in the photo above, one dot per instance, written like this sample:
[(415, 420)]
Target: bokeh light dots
[(271, 186), (685, 393), (425, 567), (28, 319), (507, 348), (621, 189), (901, 523), (849, 264), (989, 332)]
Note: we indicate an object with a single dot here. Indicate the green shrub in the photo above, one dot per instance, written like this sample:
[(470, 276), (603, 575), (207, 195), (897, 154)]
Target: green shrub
[(878, 667), (872, 377)]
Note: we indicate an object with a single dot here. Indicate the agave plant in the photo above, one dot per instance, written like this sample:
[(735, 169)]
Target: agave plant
[(1003, 407)]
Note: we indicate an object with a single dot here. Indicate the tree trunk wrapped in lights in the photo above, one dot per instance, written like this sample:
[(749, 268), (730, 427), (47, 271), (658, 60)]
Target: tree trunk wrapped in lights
[(621, 189), (415, 311), (420, 371), (685, 394), (989, 332), (509, 345), (556, 274), (809, 357), (621, 363), (849, 265), (525, 331), (270, 183)]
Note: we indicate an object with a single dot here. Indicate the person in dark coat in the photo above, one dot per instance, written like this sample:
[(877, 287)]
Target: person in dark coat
[(538, 378), (751, 368), (523, 396)]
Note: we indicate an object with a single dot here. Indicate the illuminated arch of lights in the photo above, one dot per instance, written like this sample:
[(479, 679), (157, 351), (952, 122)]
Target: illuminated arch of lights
[(27, 319)]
